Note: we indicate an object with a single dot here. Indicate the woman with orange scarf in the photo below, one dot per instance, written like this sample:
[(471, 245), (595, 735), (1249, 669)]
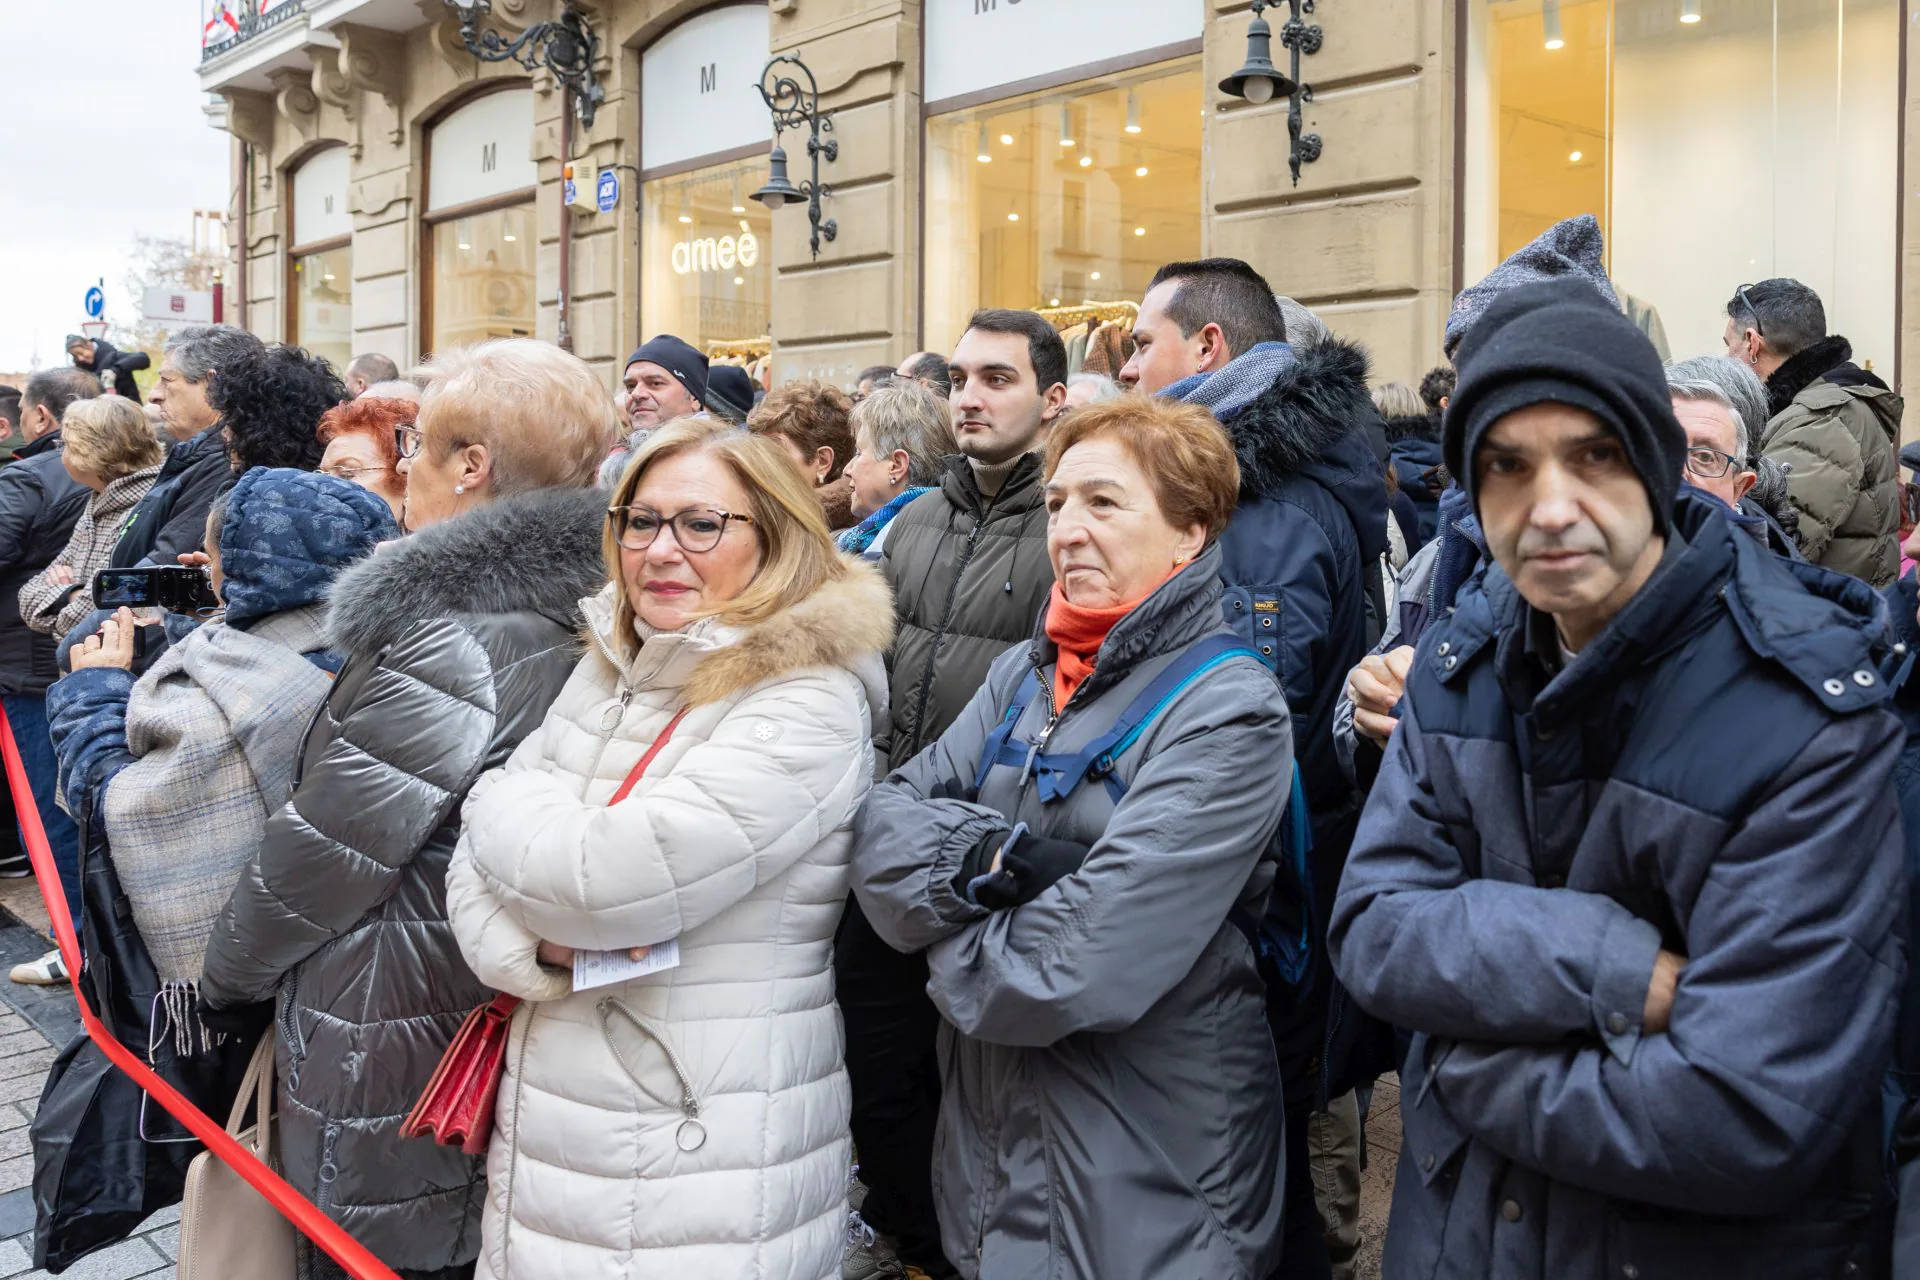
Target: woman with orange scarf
[(1069, 855)]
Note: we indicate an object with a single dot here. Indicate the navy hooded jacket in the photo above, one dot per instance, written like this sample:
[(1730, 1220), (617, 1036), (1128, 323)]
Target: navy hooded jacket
[(1713, 775)]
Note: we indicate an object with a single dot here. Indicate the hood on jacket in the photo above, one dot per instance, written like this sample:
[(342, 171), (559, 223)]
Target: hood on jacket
[(1831, 360), (287, 534), (1420, 426), (536, 552), (1312, 421), (846, 623)]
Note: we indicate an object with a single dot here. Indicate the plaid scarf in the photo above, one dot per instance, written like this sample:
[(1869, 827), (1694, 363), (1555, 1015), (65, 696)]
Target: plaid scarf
[(1244, 379), (856, 540)]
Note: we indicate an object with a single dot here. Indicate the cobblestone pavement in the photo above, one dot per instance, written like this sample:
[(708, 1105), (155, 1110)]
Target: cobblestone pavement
[(34, 1023)]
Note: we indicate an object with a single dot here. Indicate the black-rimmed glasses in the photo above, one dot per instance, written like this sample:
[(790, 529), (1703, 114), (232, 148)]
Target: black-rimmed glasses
[(696, 529), (406, 439), (1710, 464)]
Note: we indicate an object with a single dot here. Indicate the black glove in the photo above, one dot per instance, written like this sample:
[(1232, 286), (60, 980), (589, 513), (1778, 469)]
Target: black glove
[(1028, 867), (978, 859), (951, 789)]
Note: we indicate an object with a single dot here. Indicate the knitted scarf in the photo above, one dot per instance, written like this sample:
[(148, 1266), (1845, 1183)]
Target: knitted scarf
[(856, 540), (1244, 379), (1077, 632)]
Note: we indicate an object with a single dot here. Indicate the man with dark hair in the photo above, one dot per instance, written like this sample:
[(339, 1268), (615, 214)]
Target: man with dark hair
[(969, 571), (1436, 388), (11, 437), (1198, 316), (115, 368), (39, 505), (364, 371), (1632, 870), (1832, 425), (1296, 564), (871, 378), (929, 369), (270, 404)]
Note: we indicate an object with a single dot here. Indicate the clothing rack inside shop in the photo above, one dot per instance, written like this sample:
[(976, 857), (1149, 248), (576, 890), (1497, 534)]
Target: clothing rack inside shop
[(755, 355), (1099, 335)]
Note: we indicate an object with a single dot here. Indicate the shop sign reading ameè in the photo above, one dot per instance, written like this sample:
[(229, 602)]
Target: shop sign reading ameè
[(973, 45), (709, 255)]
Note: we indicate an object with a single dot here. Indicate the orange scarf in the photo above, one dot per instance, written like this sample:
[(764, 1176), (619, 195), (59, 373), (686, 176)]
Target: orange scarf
[(1078, 632)]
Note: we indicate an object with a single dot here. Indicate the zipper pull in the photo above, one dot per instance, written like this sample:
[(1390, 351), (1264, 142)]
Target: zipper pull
[(610, 720)]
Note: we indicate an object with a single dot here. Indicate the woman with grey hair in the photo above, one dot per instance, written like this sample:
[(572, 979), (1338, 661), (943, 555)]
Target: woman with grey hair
[(1764, 510), (900, 434), (1090, 388)]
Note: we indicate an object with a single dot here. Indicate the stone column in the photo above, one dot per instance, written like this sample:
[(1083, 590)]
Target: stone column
[(1366, 238), (858, 304)]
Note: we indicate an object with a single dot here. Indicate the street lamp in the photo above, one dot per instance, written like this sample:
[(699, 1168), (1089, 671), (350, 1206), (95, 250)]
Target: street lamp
[(1260, 81), (793, 106), (567, 47)]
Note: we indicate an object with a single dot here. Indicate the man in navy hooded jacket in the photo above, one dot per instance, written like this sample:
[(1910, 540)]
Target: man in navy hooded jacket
[(1295, 561), (1631, 871)]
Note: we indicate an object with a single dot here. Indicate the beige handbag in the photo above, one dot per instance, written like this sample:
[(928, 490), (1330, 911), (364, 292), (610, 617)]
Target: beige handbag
[(227, 1229)]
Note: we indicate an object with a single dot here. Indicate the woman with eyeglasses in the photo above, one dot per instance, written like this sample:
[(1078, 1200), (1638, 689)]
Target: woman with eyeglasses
[(689, 805), (362, 440), (456, 640)]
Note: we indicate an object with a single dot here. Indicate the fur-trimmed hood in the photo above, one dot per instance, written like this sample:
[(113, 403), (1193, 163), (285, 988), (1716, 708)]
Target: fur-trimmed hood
[(536, 552), (847, 623), (1312, 423), (1423, 426)]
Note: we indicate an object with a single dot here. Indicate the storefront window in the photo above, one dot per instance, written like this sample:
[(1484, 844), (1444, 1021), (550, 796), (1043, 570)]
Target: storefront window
[(1719, 142), (320, 264), (1071, 195), (323, 304), (483, 277), (709, 272), (481, 180)]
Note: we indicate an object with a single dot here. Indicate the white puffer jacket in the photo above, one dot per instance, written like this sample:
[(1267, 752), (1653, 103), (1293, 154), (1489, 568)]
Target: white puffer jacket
[(692, 1122)]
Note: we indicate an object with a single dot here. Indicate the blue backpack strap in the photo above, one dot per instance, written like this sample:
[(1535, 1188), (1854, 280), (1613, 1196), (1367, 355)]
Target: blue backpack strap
[(1060, 774), (1283, 946), (996, 749)]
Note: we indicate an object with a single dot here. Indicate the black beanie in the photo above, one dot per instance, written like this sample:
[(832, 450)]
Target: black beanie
[(1560, 342), (678, 359)]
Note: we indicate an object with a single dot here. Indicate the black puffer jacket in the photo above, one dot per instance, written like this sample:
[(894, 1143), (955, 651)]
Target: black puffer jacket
[(39, 505), (457, 639), (969, 575), (172, 518)]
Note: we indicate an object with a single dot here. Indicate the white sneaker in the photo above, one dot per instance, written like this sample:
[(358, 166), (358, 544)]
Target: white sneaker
[(868, 1256), (48, 971)]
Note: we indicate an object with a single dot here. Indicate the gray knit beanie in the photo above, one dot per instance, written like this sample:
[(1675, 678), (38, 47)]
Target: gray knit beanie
[(1571, 248)]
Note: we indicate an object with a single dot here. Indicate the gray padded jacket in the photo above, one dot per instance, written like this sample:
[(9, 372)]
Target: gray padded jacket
[(1110, 1100), (457, 640)]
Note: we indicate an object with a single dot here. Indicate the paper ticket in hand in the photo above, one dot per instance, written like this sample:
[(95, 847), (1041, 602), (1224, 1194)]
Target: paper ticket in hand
[(604, 968)]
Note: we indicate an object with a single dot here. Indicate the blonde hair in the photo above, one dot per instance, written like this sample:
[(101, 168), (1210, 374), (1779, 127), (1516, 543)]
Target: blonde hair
[(798, 556), (543, 415), (109, 437), (1398, 400)]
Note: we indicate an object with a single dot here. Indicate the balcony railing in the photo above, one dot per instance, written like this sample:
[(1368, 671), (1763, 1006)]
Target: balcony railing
[(225, 25)]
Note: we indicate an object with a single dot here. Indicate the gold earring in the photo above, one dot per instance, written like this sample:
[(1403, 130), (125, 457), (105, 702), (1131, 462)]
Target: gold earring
[(1178, 561)]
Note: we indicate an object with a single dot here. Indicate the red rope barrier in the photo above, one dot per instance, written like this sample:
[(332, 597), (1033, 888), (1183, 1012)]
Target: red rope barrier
[(303, 1213)]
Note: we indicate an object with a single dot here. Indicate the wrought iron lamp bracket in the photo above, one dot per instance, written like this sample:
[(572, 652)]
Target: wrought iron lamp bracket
[(566, 48)]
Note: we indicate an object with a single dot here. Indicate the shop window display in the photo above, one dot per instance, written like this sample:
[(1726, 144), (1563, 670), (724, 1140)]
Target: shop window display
[(1719, 142), (323, 304), (483, 277), (707, 269), (1061, 198)]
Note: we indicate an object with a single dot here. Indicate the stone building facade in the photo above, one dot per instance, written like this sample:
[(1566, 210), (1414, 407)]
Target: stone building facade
[(399, 193)]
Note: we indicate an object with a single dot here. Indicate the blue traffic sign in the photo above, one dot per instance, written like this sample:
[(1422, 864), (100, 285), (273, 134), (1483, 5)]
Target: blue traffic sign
[(607, 194), (96, 303), (566, 192)]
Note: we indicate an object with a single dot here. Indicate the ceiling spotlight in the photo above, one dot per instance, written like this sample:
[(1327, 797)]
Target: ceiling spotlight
[(1689, 11), (1012, 216), (1096, 275), (1006, 139), (1053, 302), (1086, 162), (737, 206), (1133, 112), (510, 237), (1139, 231), (465, 245), (1574, 158), (1066, 126), (1550, 19), (980, 151), (739, 279), (1141, 172)]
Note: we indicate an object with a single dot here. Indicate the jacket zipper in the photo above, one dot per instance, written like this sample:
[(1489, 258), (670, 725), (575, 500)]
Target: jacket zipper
[(513, 1151), (290, 1028), (946, 621), (323, 1200), (691, 1134)]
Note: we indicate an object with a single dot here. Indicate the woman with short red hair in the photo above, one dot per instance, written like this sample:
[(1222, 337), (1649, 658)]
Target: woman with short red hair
[(361, 448)]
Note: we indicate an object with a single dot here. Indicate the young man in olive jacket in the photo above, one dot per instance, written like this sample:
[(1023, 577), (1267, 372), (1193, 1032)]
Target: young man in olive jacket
[(969, 571)]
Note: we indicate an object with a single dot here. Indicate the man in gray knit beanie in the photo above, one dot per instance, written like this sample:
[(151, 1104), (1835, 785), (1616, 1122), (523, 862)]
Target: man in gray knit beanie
[(1570, 248)]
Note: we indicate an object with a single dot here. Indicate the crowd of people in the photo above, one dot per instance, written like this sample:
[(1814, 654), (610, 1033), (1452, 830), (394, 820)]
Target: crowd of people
[(1000, 821)]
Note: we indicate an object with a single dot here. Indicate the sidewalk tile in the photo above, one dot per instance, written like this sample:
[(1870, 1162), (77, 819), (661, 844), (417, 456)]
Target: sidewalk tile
[(167, 1241), (14, 1258), (27, 1066), (123, 1261)]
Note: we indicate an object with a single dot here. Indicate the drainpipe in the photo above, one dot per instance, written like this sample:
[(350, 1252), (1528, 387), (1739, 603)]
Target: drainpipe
[(564, 300), (240, 234)]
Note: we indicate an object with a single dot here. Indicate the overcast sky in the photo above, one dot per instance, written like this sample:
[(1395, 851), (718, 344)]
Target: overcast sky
[(104, 140)]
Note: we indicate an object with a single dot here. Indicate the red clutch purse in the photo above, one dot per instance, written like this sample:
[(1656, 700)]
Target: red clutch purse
[(456, 1107)]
